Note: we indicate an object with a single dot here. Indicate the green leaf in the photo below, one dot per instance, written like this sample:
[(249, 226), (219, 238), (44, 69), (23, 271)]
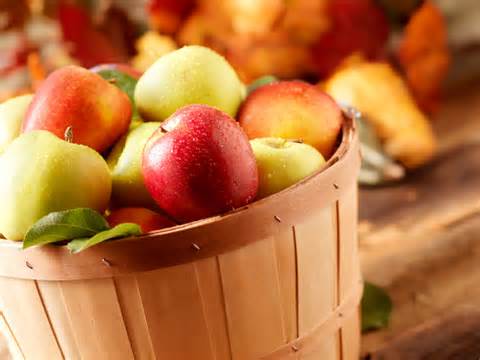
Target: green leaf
[(65, 225), (262, 81), (119, 231), (376, 308), (124, 82)]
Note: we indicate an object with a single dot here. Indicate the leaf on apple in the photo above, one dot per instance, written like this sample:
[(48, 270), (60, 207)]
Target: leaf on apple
[(119, 231), (124, 82), (65, 225), (376, 308), (261, 81)]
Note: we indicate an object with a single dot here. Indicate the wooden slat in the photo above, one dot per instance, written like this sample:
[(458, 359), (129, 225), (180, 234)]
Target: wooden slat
[(211, 291), (134, 317), (350, 333), (53, 300), (255, 322), (93, 309), (24, 312), (349, 268), (9, 348), (285, 248), (174, 313), (317, 272)]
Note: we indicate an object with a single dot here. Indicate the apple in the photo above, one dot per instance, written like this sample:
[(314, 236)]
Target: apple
[(125, 162), (12, 113), (148, 220), (42, 174), (190, 75), (98, 112), (282, 163), (199, 164), (125, 78), (293, 110)]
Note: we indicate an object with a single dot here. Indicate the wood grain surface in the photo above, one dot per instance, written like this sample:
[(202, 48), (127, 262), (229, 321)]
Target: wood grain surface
[(453, 336), (421, 238)]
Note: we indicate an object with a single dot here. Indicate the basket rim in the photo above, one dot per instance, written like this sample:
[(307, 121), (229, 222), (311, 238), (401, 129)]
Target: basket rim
[(195, 240)]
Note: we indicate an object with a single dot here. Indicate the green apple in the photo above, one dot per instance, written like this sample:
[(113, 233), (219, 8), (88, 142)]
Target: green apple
[(12, 113), (125, 163), (42, 174), (190, 75), (281, 163)]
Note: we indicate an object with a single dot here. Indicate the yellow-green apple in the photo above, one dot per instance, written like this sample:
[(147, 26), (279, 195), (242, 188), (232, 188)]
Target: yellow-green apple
[(190, 75), (282, 163), (148, 220), (97, 111), (199, 163), (12, 113), (293, 110), (125, 163), (42, 174)]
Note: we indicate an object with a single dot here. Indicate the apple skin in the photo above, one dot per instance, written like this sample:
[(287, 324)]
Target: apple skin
[(42, 174), (125, 162), (123, 68), (202, 166), (148, 220), (293, 110), (282, 163), (98, 112), (190, 75), (12, 113)]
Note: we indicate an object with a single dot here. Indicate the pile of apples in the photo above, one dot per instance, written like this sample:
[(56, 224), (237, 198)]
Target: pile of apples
[(182, 142)]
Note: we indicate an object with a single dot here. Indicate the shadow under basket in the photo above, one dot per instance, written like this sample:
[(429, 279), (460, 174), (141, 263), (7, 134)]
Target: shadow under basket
[(277, 279)]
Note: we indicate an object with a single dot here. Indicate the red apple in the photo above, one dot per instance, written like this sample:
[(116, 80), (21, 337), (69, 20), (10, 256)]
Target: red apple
[(293, 110), (148, 220), (202, 165), (97, 111)]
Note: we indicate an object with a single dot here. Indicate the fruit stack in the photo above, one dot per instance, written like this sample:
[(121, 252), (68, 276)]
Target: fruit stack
[(184, 141)]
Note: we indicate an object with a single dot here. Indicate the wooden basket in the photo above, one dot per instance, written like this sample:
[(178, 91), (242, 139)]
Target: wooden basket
[(278, 279)]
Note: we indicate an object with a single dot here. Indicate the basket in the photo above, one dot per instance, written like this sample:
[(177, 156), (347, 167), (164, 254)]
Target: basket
[(277, 279)]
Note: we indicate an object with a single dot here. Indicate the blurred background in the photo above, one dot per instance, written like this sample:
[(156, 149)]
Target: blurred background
[(411, 67)]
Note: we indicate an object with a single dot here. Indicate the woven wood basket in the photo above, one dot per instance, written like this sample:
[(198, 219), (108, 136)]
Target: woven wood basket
[(278, 279)]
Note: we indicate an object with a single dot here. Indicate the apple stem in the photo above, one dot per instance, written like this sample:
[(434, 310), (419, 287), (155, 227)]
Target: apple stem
[(68, 135), (162, 129)]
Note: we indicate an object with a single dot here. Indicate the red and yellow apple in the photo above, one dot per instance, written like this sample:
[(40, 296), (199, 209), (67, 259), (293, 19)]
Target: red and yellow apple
[(282, 163), (148, 220), (97, 111), (293, 110), (199, 164)]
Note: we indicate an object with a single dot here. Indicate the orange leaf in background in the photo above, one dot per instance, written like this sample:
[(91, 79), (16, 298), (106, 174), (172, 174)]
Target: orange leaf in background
[(424, 55), (36, 70), (357, 26), (254, 17), (166, 16), (90, 46)]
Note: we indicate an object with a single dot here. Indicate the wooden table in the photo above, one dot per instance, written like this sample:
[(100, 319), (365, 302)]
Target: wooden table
[(421, 240)]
